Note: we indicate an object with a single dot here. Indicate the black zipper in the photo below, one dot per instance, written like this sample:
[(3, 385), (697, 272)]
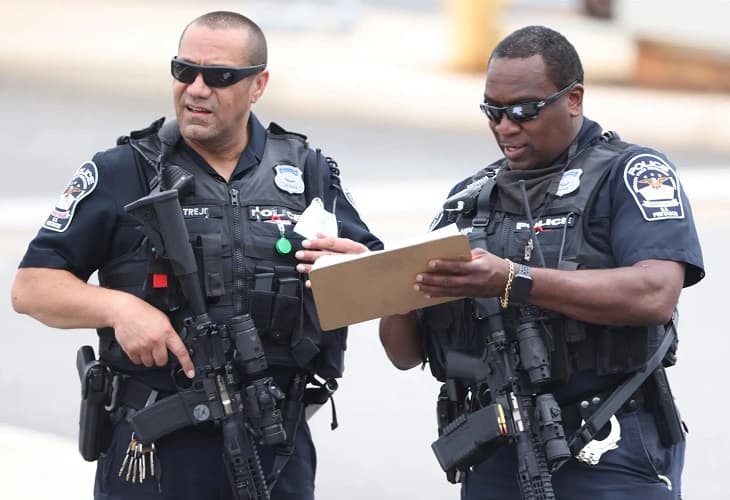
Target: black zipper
[(239, 272)]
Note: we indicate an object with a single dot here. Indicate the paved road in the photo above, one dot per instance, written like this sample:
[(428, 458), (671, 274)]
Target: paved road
[(387, 417)]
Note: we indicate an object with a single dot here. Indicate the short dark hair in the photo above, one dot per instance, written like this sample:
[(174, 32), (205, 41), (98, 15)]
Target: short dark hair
[(560, 57), (257, 52)]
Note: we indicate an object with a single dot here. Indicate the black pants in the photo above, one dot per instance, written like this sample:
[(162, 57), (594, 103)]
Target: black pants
[(191, 467)]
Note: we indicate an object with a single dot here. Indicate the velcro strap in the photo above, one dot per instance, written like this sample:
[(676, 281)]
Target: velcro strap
[(212, 247)]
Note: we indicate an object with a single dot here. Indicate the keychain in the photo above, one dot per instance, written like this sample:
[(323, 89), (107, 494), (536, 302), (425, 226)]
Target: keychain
[(283, 245)]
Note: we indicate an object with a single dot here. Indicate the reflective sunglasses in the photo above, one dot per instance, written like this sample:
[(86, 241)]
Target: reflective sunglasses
[(524, 111), (213, 76)]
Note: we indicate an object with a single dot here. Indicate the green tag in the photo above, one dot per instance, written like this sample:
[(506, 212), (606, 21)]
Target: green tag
[(283, 246)]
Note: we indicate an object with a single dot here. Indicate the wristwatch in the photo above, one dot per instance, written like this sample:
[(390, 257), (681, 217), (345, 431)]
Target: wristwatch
[(521, 285)]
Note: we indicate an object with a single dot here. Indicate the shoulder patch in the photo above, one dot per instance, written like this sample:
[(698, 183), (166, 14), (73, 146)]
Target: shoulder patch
[(654, 186), (82, 183)]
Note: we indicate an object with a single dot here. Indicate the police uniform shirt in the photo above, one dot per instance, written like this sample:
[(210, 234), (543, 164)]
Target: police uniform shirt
[(623, 219), (89, 228), (626, 225)]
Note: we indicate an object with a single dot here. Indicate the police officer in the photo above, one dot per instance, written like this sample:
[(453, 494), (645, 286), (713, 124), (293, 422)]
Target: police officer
[(591, 237), (250, 186)]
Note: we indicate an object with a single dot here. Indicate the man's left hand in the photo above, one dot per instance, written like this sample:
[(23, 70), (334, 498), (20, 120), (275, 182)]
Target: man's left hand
[(484, 275)]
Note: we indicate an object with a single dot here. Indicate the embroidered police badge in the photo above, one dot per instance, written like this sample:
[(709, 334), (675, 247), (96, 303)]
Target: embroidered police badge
[(654, 186), (82, 183), (289, 178)]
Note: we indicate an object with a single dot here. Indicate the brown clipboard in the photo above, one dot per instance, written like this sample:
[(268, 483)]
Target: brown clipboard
[(349, 289)]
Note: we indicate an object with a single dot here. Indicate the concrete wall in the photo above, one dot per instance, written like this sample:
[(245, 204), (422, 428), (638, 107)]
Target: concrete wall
[(678, 44)]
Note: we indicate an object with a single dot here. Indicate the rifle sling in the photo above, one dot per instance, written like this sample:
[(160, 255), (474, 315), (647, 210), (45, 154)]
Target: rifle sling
[(618, 397)]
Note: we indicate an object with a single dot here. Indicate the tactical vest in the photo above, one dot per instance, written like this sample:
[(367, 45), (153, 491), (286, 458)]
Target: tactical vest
[(233, 229), (566, 244)]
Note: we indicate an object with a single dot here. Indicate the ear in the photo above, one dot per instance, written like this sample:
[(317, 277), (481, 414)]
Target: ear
[(259, 85), (575, 100)]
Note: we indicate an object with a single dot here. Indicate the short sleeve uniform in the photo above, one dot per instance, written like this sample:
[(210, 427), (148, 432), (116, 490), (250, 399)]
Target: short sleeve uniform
[(92, 229), (642, 212)]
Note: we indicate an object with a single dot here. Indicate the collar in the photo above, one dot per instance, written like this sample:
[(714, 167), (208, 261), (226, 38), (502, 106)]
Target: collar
[(254, 150), (542, 183), (250, 157), (589, 133)]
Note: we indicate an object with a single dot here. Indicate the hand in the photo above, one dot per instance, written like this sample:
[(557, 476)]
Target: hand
[(145, 334), (325, 245), (485, 275)]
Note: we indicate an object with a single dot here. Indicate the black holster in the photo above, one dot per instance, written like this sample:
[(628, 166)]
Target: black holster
[(661, 403), (95, 428)]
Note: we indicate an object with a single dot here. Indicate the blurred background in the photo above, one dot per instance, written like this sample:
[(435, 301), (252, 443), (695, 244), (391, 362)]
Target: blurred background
[(390, 89)]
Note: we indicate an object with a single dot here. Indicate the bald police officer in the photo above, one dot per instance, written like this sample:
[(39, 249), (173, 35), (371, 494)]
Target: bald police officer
[(251, 184)]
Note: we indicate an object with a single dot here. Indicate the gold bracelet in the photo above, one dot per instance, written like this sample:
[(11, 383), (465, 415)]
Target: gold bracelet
[(504, 301)]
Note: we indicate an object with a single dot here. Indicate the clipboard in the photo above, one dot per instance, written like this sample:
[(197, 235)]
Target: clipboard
[(349, 289)]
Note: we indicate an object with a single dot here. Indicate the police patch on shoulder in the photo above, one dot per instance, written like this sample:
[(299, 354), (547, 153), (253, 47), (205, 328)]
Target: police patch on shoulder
[(82, 183), (289, 178), (654, 186)]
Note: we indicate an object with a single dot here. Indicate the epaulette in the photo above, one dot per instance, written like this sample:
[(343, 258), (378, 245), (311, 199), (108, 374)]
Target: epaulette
[(276, 129), (612, 138), (139, 134), (610, 135)]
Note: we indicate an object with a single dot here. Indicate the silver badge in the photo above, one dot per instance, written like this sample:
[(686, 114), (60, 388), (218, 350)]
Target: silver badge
[(81, 185), (569, 182), (289, 178)]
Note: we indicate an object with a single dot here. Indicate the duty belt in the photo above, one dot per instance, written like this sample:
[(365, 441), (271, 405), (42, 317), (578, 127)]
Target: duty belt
[(573, 414)]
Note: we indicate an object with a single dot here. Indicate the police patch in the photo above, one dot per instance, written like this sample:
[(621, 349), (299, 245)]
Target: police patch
[(272, 214), (289, 178), (82, 183), (654, 186)]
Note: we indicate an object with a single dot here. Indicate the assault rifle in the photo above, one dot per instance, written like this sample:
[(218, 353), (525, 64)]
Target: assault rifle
[(504, 383), (229, 388)]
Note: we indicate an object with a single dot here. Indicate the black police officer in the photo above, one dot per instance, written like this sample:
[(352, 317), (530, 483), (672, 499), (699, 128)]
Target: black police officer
[(596, 248), (251, 184)]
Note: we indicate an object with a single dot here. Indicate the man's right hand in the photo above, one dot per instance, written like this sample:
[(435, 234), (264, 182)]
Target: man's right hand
[(145, 334), (60, 299)]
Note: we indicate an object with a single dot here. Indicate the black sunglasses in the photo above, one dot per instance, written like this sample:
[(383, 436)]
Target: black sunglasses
[(524, 111), (213, 76)]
